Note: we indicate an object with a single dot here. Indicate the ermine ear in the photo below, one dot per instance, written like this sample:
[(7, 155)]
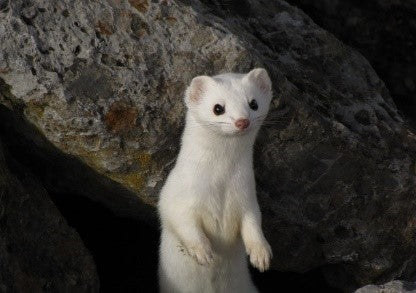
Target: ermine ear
[(260, 78), (199, 85)]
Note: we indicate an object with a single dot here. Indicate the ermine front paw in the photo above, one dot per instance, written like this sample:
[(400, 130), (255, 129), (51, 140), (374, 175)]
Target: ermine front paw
[(260, 254), (202, 253)]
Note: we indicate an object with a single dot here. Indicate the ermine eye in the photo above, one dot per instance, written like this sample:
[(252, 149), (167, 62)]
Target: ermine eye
[(253, 105), (218, 109)]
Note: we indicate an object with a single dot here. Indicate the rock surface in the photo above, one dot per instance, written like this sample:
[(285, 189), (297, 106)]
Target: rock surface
[(102, 81), (384, 31), (39, 252), (391, 287)]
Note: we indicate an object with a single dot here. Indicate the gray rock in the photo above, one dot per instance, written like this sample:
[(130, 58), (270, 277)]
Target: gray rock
[(384, 31), (103, 82), (390, 287), (39, 252)]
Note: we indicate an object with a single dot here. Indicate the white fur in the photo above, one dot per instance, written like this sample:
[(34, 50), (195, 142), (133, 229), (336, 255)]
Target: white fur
[(208, 207)]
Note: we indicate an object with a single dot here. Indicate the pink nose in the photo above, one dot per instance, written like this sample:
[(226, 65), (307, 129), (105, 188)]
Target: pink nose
[(242, 123)]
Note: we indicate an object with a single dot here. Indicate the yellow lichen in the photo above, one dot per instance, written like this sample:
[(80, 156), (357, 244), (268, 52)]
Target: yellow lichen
[(34, 110), (144, 159), (134, 180)]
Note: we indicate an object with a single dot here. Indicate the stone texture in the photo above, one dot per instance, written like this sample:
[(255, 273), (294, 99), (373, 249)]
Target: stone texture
[(39, 252), (384, 31), (391, 287), (103, 83)]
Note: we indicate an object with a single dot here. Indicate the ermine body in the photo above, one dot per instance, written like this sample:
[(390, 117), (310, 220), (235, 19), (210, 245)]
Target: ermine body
[(208, 207)]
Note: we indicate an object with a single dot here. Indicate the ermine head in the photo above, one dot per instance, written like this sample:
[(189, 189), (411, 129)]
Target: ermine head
[(230, 104)]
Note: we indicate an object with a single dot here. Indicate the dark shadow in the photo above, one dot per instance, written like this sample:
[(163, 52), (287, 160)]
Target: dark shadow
[(62, 172), (384, 34), (126, 252), (274, 282)]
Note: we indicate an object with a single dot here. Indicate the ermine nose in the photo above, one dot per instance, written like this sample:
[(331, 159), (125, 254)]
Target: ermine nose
[(242, 123)]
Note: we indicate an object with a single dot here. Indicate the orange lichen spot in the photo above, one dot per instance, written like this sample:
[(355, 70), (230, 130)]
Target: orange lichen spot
[(144, 159), (140, 5), (171, 19), (104, 28), (120, 118)]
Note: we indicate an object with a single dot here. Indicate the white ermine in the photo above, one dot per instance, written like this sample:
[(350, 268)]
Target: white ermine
[(208, 206)]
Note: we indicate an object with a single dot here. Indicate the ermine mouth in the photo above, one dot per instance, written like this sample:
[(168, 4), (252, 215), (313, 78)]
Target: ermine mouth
[(243, 131)]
